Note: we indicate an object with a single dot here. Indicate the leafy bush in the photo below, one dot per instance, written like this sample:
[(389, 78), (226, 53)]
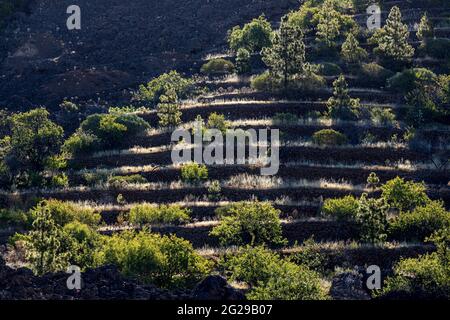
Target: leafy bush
[(329, 137), (14, 217), (382, 116), (272, 278), (421, 223), (169, 113), (214, 190), (163, 214), (243, 61), (310, 256), (330, 69), (65, 212), (122, 181), (217, 67), (254, 36), (166, 261), (427, 277), (404, 195), (217, 121), (114, 130), (373, 74), (410, 79), (342, 209), (253, 223), (193, 172), (157, 87), (80, 143)]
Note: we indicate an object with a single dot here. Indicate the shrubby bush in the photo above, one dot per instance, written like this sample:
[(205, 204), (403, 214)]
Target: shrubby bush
[(411, 79), (404, 195), (217, 66), (63, 213), (243, 61), (421, 223), (341, 209), (123, 181), (329, 137), (157, 87), (164, 214), (253, 223), (14, 217), (193, 172), (341, 105), (166, 261), (372, 219), (254, 36), (80, 143), (310, 255), (382, 116), (272, 278), (373, 74), (169, 113)]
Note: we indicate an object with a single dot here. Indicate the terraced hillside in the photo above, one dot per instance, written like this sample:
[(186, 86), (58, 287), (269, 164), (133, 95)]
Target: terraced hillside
[(310, 173)]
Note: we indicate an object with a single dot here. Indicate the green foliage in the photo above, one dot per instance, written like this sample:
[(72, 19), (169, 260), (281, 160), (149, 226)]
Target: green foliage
[(404, 195), (163, 214), (193, 172), (63, 213), (214, 190), (217, 121), (285, 118), (310, 256), (373, 181), (286, 57), (253, 223), (272, 278), (425, 29), (330, 69), (123, 181), (341, 105), (160, 86), (217, 66), (351, 52), (382, 116), (169, 113), (329, 137), (113, 130), (265, 82), (372, 219), (243, 61), (166, 261), (342, 209), (392, 39), (68, 106), (254, 36), (427, 277), (421, 223), (80, 143), (411, 79), (373, 74), (14, 217)]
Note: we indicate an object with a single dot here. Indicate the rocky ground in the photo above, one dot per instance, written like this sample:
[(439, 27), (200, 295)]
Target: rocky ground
[(120, 44)]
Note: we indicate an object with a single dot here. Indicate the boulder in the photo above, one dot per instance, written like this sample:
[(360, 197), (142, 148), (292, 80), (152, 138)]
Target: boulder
[(216, 288)]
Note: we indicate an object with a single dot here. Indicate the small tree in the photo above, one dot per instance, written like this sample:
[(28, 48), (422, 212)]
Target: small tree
[(341, 106), (404, 195), (373, 181), (328, 27), (286, 57), (254, 36), (169, 110), (392, 39), (372, 219), (425, 29), (351, 51), (243, 61)]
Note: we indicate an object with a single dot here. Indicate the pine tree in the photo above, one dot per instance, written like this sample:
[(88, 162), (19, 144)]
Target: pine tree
[(286, 57), (392, 39), (425, 29), (328, 28), (44, 244), (168, 110), (351, 51), (341, 105)]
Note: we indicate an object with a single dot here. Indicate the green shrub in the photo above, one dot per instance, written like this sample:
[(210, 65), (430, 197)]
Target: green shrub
[(254, 36), (372, 219), (65, 212), (265, 83), (217, 67), (217, 121), (157, 87), (421, 223), (329, 137), (123, 181), (243, 61), (404, 195), (330, 69), (163, 214), (342, 209), (310, 256), (373, 74), (253, 223), (214, 190), (193, 172), (14, 217), (382, 116), (166, 261), (80, 143)]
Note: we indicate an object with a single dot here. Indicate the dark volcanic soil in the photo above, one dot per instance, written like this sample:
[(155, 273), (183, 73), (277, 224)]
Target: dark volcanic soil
[(121, 44)]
